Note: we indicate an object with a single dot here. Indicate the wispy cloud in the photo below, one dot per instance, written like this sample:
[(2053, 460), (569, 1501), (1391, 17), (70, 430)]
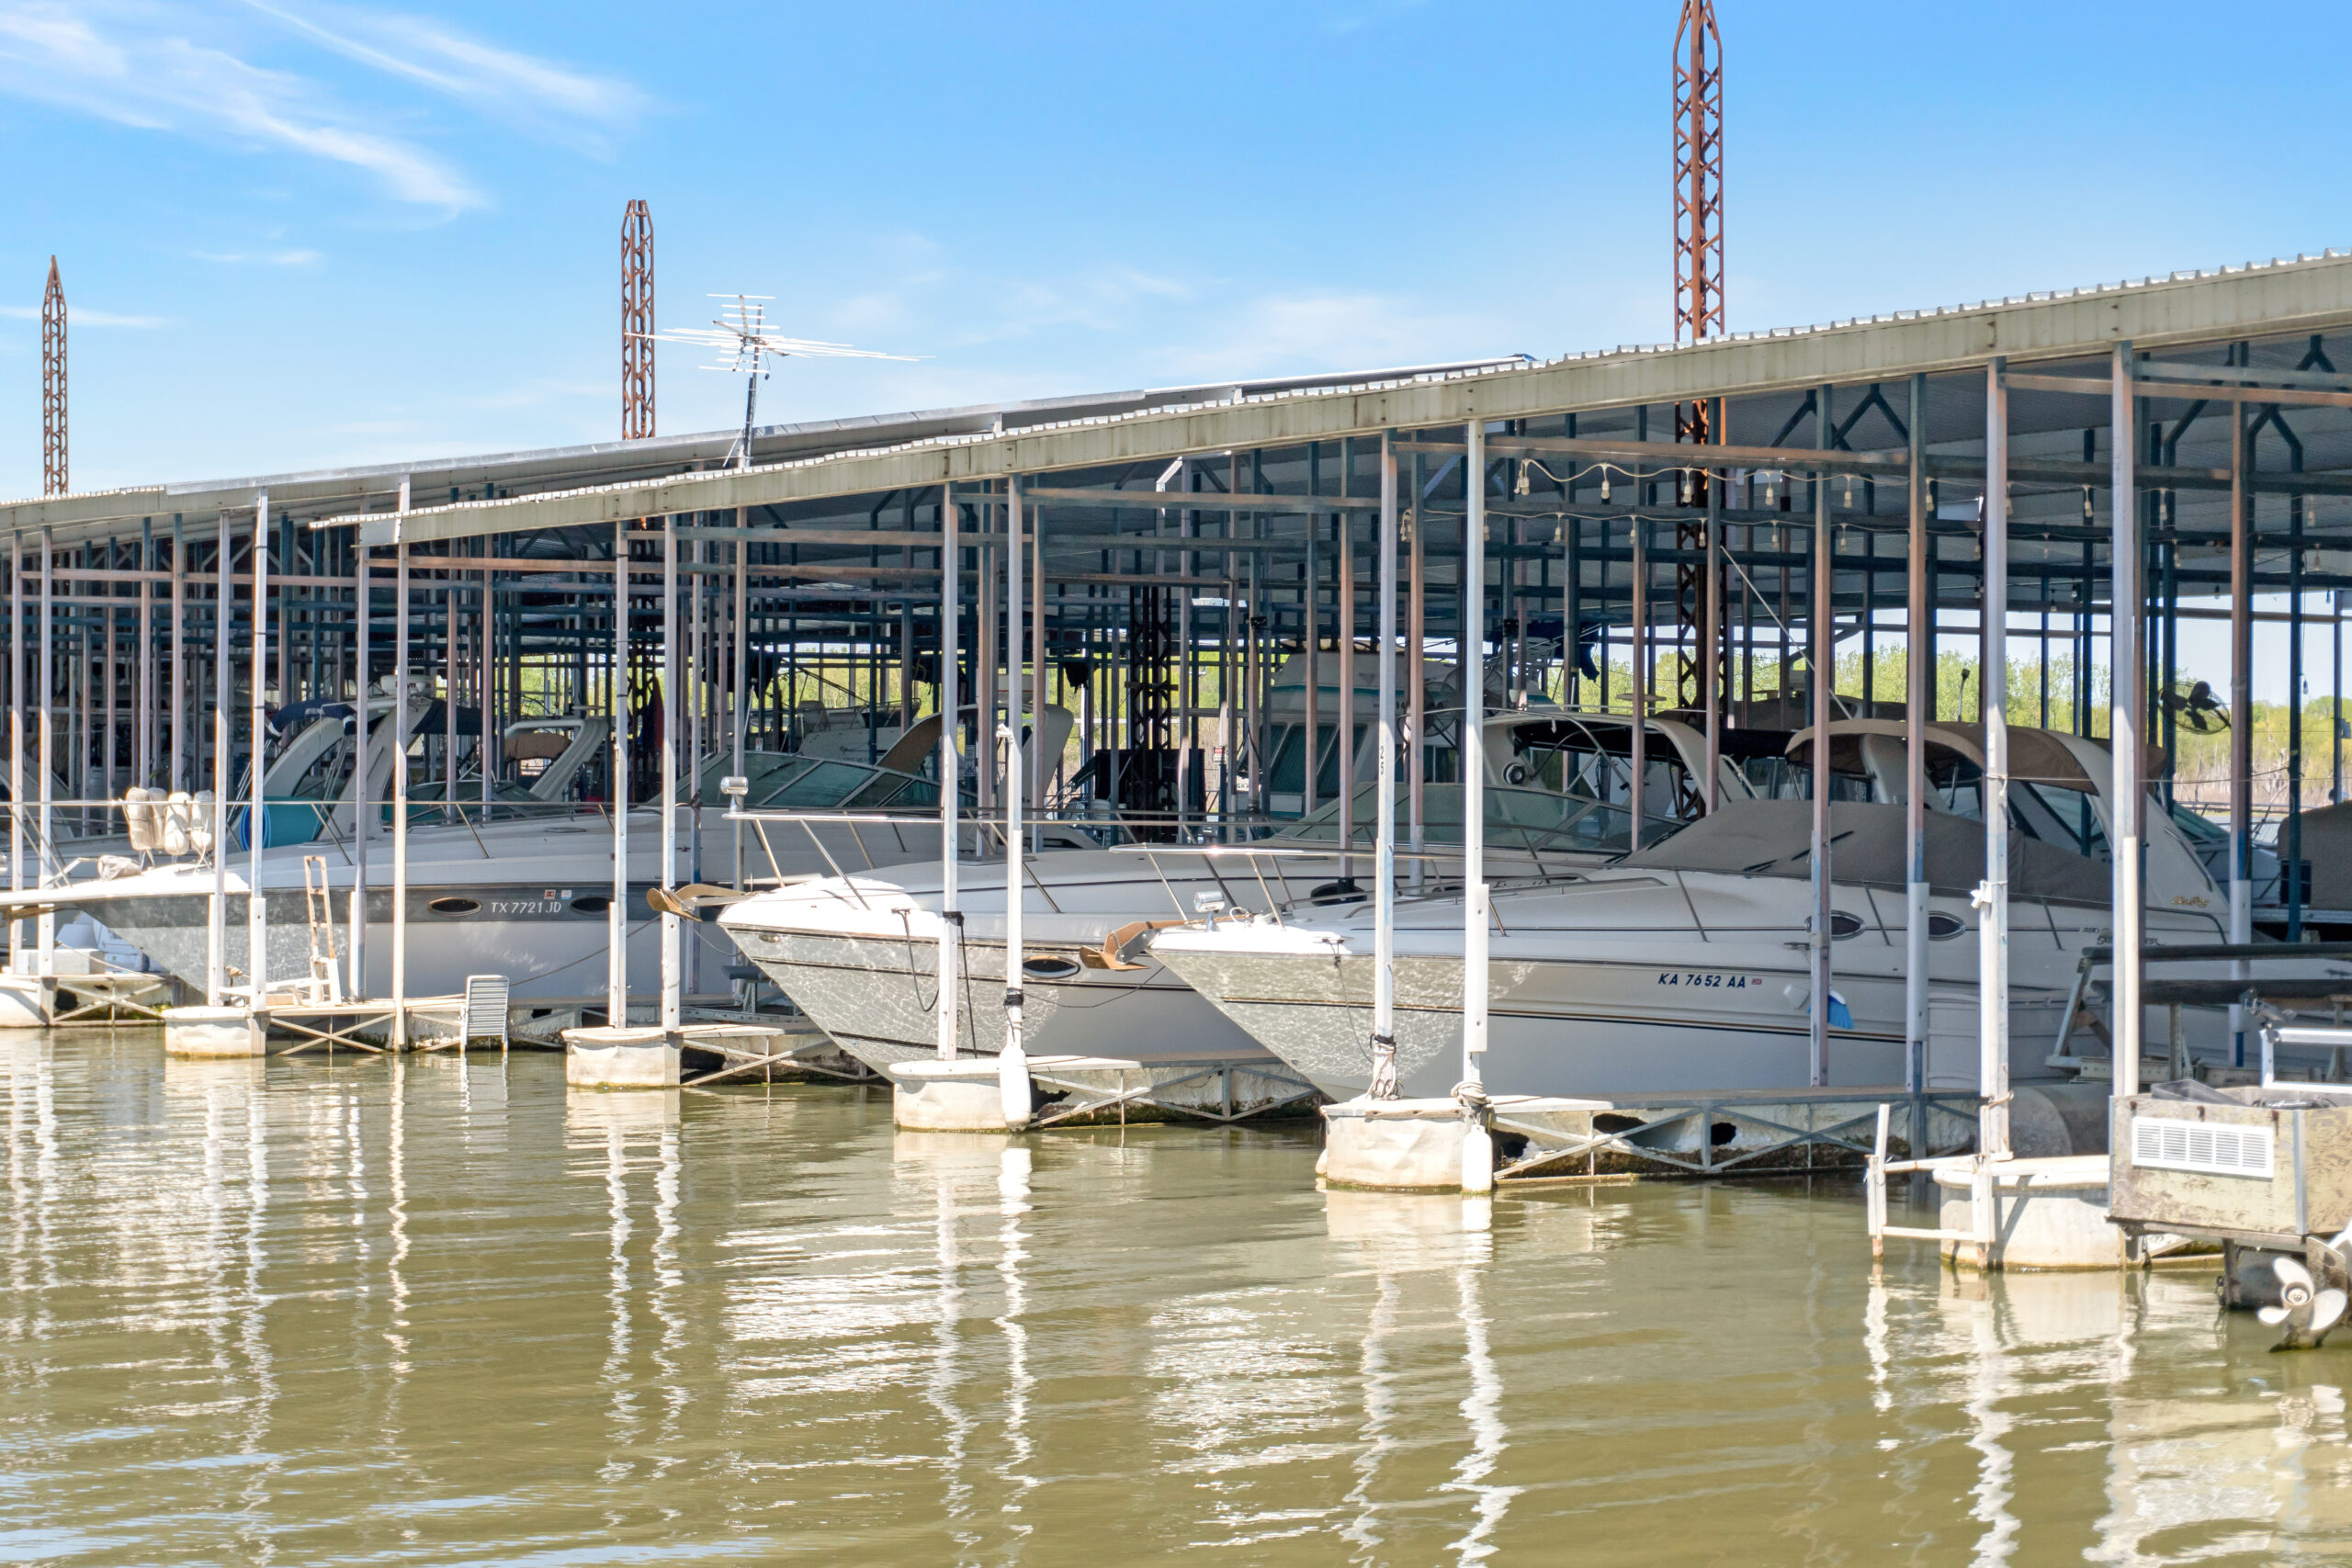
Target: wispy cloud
[(133, 63), (259, 258), (1278, 334), (554, 99), (193, 70), (77, 316)]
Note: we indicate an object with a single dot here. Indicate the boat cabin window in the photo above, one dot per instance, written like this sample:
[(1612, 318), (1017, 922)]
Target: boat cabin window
[(1595, 760), (1286, 773)]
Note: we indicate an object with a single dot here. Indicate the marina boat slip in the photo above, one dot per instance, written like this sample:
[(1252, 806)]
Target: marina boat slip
[(860, 954), (1684, 966), (523, 889)]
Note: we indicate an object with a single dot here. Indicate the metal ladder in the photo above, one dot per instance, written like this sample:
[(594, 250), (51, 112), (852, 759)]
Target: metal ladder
[(318, 908)]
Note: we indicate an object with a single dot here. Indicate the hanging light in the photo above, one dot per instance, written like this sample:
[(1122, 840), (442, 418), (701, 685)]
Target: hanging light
[(1769, 480), (1604, 484), (1849, 492), (1523, 466)]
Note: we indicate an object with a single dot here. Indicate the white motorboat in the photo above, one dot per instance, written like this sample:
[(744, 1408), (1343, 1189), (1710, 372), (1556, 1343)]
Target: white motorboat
[(522, 890), (1684, 966), (860, 954)]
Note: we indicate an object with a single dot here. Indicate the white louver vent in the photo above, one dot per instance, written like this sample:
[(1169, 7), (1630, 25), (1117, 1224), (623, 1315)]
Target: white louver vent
[(2213, 1148)]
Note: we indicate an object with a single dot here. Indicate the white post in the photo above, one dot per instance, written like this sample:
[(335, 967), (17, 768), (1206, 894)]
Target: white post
[(951, 913), (1344, 735), (1478, 1143), (257, 814), (399, 797), (2126, 721), (1013, 1064), (362, 816), (617, 918), (2241, 888), (1993, 895), (16, 737), (672, 715), (1920, 675), (742, 668), (216, 952), (45, 926), (1821, 668), (1384, 940)]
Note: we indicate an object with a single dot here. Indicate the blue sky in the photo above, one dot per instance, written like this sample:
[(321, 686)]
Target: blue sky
[(299, 233)]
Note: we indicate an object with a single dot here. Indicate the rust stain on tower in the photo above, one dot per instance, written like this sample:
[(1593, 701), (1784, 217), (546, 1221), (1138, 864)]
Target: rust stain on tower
[(52, 385), (637, 323), (1697, 305)]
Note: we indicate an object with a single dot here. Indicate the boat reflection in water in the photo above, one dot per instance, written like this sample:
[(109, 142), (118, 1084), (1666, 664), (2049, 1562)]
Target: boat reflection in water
[(430, 1309)]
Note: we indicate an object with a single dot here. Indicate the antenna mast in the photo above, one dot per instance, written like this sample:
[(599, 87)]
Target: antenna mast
[(52, 385), (742, 342), (637, 323), (1697, 314)]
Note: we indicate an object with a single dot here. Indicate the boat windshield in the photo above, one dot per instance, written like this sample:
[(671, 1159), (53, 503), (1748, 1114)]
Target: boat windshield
[(1535, 821), (778, 781)]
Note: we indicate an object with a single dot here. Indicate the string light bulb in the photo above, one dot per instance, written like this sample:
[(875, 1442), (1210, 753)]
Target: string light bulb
[(1604, 484)]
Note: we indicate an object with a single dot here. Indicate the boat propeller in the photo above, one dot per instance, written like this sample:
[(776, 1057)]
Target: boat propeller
[(2306, 1311)]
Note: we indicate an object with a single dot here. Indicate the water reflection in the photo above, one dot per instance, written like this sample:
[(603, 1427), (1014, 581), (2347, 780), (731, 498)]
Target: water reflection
[(1402, 1236), (433, 1309)]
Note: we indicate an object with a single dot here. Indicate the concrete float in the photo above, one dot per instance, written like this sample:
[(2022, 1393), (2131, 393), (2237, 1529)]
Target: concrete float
[(27, 1001), (620, 1058), (1426, 1145), (213, 1032), (962, 1095), (2046, 1214)]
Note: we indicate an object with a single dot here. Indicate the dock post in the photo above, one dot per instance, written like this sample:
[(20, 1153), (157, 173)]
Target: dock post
[(2241, 887), (363, 823), (1013, 1062), (1993, 896), (1477, 1142), (16, 740), (216, 969), (617, 918), (1821, 673), (951, 915), (1920, 675), (398, 1034), (45, 839), (257, 812), (2127, 722), (1384, 957), (672, 713)]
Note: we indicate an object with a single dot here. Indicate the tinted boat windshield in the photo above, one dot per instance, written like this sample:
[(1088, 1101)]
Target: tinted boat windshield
[(786, 783), (1525, 819)]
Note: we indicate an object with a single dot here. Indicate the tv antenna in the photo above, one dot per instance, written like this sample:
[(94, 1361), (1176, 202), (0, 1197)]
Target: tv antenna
[(741, 338)]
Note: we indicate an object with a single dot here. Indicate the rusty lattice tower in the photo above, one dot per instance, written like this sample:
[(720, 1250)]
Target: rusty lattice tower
[(1698, 175), (52, 385), (637, 323), (1697, 304)]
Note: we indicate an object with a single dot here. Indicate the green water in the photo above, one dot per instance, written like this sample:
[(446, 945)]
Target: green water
[(435, 1312)]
